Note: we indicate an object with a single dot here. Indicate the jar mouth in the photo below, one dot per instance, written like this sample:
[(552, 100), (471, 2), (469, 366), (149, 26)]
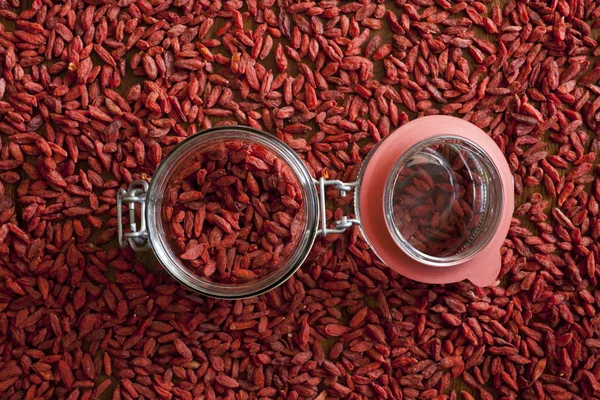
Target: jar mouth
[(443, 200), (158, 231)]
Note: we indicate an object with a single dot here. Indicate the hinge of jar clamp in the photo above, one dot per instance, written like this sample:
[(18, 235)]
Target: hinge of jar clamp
[(339, 225), (135, 194)]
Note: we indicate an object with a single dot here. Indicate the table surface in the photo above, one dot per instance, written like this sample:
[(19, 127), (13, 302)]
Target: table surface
[(148, 258)]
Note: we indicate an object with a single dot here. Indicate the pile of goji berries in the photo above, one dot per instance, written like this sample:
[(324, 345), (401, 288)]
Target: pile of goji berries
[(93, 94)]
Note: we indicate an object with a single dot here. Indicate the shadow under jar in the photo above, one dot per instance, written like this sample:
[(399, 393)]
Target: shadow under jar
[(233, 212)]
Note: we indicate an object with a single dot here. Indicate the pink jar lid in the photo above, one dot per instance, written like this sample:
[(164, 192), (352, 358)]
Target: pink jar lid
[(483, 265)]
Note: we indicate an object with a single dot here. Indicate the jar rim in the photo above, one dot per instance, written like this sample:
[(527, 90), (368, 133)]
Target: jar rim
[(158, 238)]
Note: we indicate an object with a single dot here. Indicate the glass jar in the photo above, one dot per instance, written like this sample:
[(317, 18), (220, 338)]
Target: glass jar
[(434, 201)]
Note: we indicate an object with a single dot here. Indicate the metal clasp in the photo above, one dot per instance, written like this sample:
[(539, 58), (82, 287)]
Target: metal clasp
[(342, 224), (135, 194)]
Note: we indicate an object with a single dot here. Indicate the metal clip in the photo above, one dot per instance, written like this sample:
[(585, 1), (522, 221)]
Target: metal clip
[(135, 194), (342, 224)]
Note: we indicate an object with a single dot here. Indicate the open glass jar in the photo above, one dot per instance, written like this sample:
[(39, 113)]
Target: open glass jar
[(434, 201)]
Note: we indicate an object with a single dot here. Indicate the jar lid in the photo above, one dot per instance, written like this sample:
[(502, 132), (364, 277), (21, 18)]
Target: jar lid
[(436, 200)]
